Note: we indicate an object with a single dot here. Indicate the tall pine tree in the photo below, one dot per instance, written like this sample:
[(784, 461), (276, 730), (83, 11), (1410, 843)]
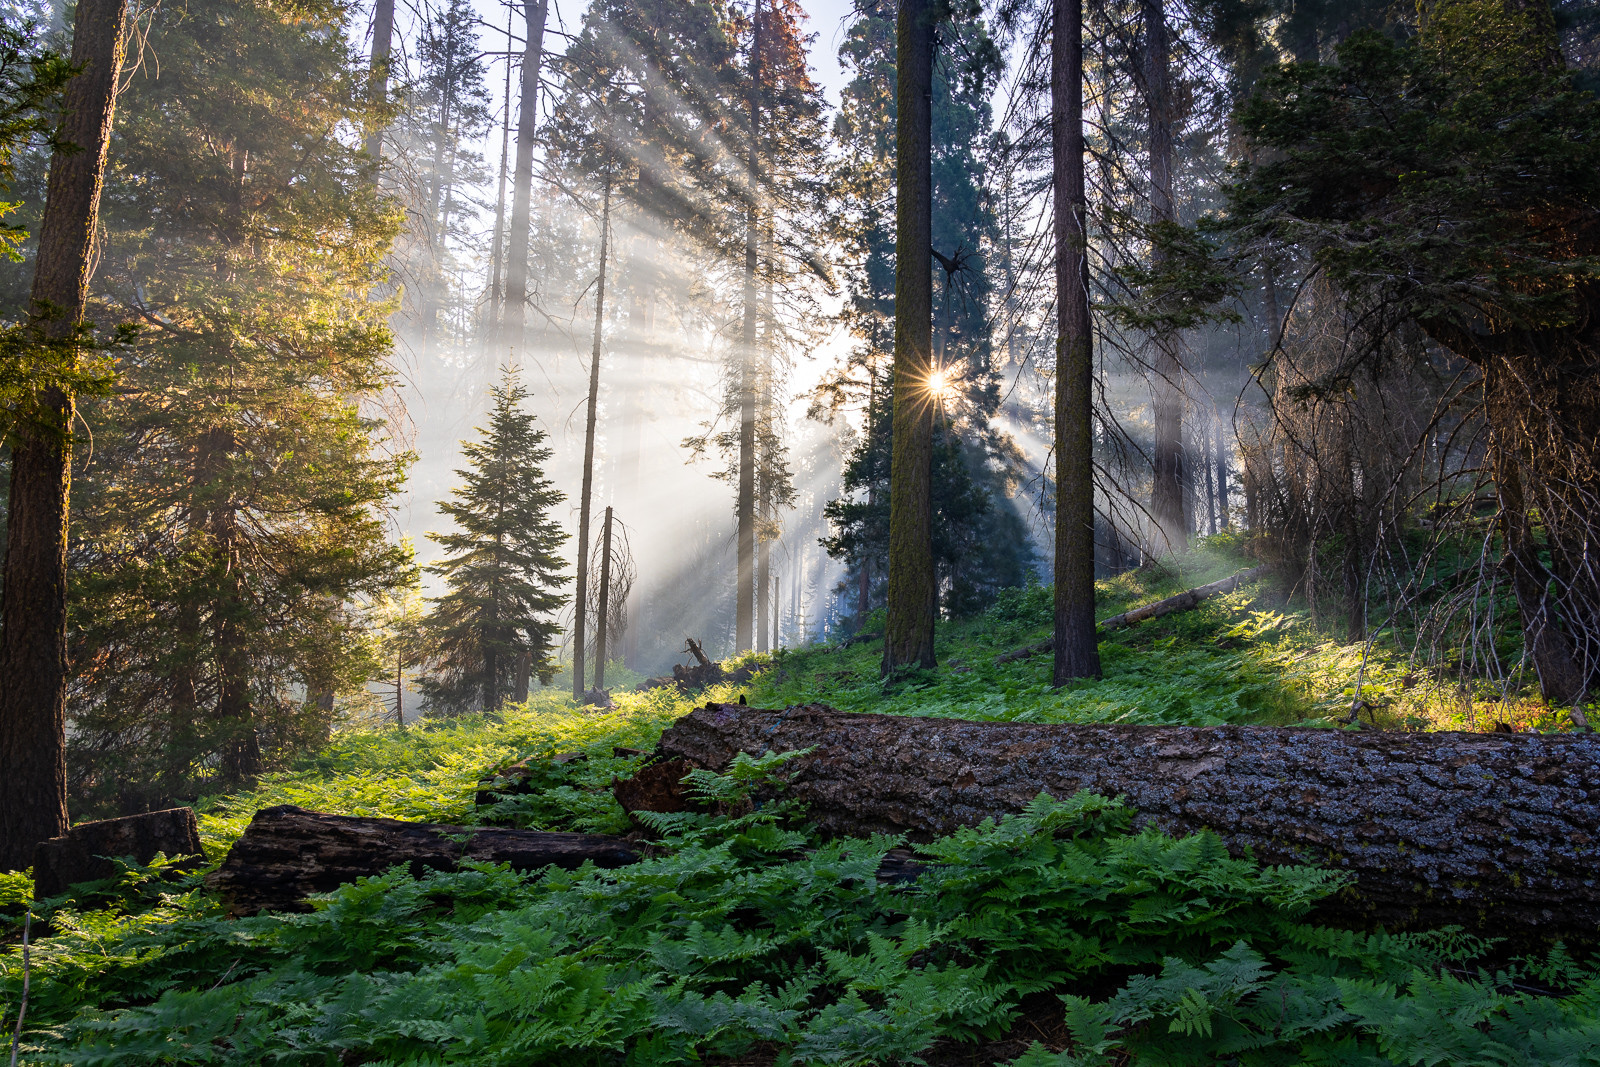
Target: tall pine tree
[(231, 516), (496, 625)]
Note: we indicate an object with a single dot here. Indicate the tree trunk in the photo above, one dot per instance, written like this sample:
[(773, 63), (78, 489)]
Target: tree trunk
[(524, 676), (1222, 477), (33, 604), (745, 606), (85, 853), (768, 469), (913, 589), (1167, 498), (287, 853), (603, 623), (497, 246), (516, 298), (240, 750), (1491, 831), (382, 41), (579, 603), (1077, 651)]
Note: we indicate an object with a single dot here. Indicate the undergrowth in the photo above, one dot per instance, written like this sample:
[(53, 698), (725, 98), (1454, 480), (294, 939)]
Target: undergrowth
[(1250, 656), (743, 939), (745, 934)]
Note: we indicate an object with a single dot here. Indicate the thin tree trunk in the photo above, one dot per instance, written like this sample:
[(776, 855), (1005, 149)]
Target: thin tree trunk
[(523, 679), (497, 257), (33, 605), (240, 751), (913, 586), (745, 607), (603, 623), (1167, 498), (579, 607), (1222, 476), (1203, 451), (382, 42), (1076, 648), (766, 474), (516, 298)]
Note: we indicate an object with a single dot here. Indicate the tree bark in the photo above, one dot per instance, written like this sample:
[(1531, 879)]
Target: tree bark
[(579, 604), (1221, 455), (382, 41), (497, 246), (287, 853), (1495, 832), (603, 623), (33, 605), (745, 600), (1076, 650), (516, 292), (1167, 497), (83, 853), (913, 598)]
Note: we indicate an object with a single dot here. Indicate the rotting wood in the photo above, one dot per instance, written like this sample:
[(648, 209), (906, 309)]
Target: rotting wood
[(705, 671), (1181, 602), (82, 853), (287, 853), (1499, 833)]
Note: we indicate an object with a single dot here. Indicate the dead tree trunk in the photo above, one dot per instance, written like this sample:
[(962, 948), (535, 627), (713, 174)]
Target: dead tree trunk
[(1495, 832), (287, 853), (579, 600)]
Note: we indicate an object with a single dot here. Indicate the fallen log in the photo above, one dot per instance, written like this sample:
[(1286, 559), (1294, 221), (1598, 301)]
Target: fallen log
[(1496, 832), (287, 853), (1183, 601)]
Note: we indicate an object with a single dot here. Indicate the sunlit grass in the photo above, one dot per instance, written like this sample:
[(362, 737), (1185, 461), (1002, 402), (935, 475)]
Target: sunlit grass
[(1245, 657)]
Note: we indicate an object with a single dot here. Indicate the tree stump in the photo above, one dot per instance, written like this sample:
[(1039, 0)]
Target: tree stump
[(82, 854)]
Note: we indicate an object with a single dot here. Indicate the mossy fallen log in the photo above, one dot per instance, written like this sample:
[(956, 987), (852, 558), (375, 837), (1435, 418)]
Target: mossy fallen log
[(1499, 833)]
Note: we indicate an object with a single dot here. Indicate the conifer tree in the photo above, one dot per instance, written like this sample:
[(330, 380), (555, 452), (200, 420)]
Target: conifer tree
[(232, 515), (496, 624)]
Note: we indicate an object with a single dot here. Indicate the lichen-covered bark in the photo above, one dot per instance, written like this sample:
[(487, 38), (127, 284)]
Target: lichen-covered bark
[(1496, 832)]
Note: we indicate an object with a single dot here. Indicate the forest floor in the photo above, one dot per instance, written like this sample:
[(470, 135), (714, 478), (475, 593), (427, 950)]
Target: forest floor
[(1057, 938)]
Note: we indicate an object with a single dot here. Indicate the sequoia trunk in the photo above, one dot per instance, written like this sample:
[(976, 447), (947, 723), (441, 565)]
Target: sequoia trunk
[(1167, 495), (913, 589), (1076, 648)]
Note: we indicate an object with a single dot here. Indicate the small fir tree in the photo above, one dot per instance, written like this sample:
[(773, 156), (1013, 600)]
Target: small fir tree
[(496, 626)]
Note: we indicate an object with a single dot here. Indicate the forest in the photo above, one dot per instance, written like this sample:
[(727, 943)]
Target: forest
[(1021, 533)]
